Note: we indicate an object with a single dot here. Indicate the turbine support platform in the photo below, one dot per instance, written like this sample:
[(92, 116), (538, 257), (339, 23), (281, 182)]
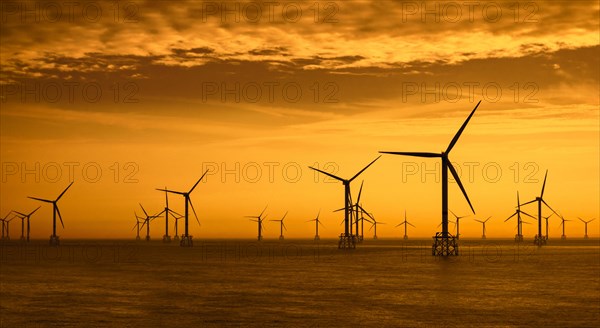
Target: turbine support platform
[(54, 241), (540, 240), (186, 241), (137, 238), (176, 238), (585, 237), (563, 237), (405, 237), (281, 237), (166, 239), (444, 246), (147, 238), (518, 238), (347, 241), (483, 237), (317, 238)]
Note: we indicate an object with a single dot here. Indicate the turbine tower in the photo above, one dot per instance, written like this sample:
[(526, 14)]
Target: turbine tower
[(405, 223), (186, 239), (483, 223), (444, 243), (582, 220), (54, 239), (281, 226), (317, 222), (259, 219), (347, 240), (518, 212), (539, 238), (26, 216)]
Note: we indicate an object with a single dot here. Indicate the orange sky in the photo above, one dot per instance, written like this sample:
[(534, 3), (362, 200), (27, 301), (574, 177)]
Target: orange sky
[(167, 90)]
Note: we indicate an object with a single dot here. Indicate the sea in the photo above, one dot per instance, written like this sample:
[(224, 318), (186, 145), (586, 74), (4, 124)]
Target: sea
[(299, 283)]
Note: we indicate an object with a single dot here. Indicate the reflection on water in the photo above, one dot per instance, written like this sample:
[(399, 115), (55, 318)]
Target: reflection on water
[(296, 283)]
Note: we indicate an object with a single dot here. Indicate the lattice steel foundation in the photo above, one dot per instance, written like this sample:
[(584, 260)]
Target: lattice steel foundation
[(444, 246)]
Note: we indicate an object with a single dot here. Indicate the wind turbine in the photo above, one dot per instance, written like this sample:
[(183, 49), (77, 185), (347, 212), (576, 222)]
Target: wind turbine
[(166, 211), (137, 226), (54, 239), (317, 222), (4, 224), (546, 218), (458, 223), (259, 219), (405, 223), (281, 226), (8, 227), (26, 216), (186, 239), (347, 240), (539, 238), (518, 212), (445, 244), (374, 224), (146, 222), (483, 223), (582, 220), (563, 224), (354, 215)]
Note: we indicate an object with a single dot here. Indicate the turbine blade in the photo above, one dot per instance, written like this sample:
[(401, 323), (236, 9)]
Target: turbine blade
[(30, 214), (414, 154), (455, 175), (194, 210), (531, 216), (263, 211), (171, 191), (515, 213), (64, 191), (327, 173), (462, 128), (411, 224), (366, 167), (143, 209), (286, 213), (544, 185), (360, 192), (543, 201), (41, 199), (529, 202), (60, 217), (197, 182)]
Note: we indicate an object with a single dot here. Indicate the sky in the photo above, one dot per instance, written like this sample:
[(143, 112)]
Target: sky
[(126, 97)]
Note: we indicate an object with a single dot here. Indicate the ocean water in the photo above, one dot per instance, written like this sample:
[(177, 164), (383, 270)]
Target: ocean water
[(299, 283)]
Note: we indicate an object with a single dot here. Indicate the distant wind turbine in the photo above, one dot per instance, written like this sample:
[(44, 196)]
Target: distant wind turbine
[(405, 223), (586, 223), (281, 226), (26, 216), (483, 223), (317, 222), (347, 240), (540, 239), (259, 219), (54, 239)]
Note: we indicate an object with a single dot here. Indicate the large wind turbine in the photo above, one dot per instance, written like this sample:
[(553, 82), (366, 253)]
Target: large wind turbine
[(281, 226), (26, 216), (186, 239), (518, 212), (405, 223), (483, 223), (540, 239), (166, 211), (259, 219), (54, 241), (347, 240), (582, 220), (317, 222), (445, 244)]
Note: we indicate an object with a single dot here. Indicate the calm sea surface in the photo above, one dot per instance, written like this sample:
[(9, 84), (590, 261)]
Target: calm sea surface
[(299, 283)]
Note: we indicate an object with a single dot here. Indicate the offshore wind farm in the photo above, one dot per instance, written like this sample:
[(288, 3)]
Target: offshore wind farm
[(299, 164)]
